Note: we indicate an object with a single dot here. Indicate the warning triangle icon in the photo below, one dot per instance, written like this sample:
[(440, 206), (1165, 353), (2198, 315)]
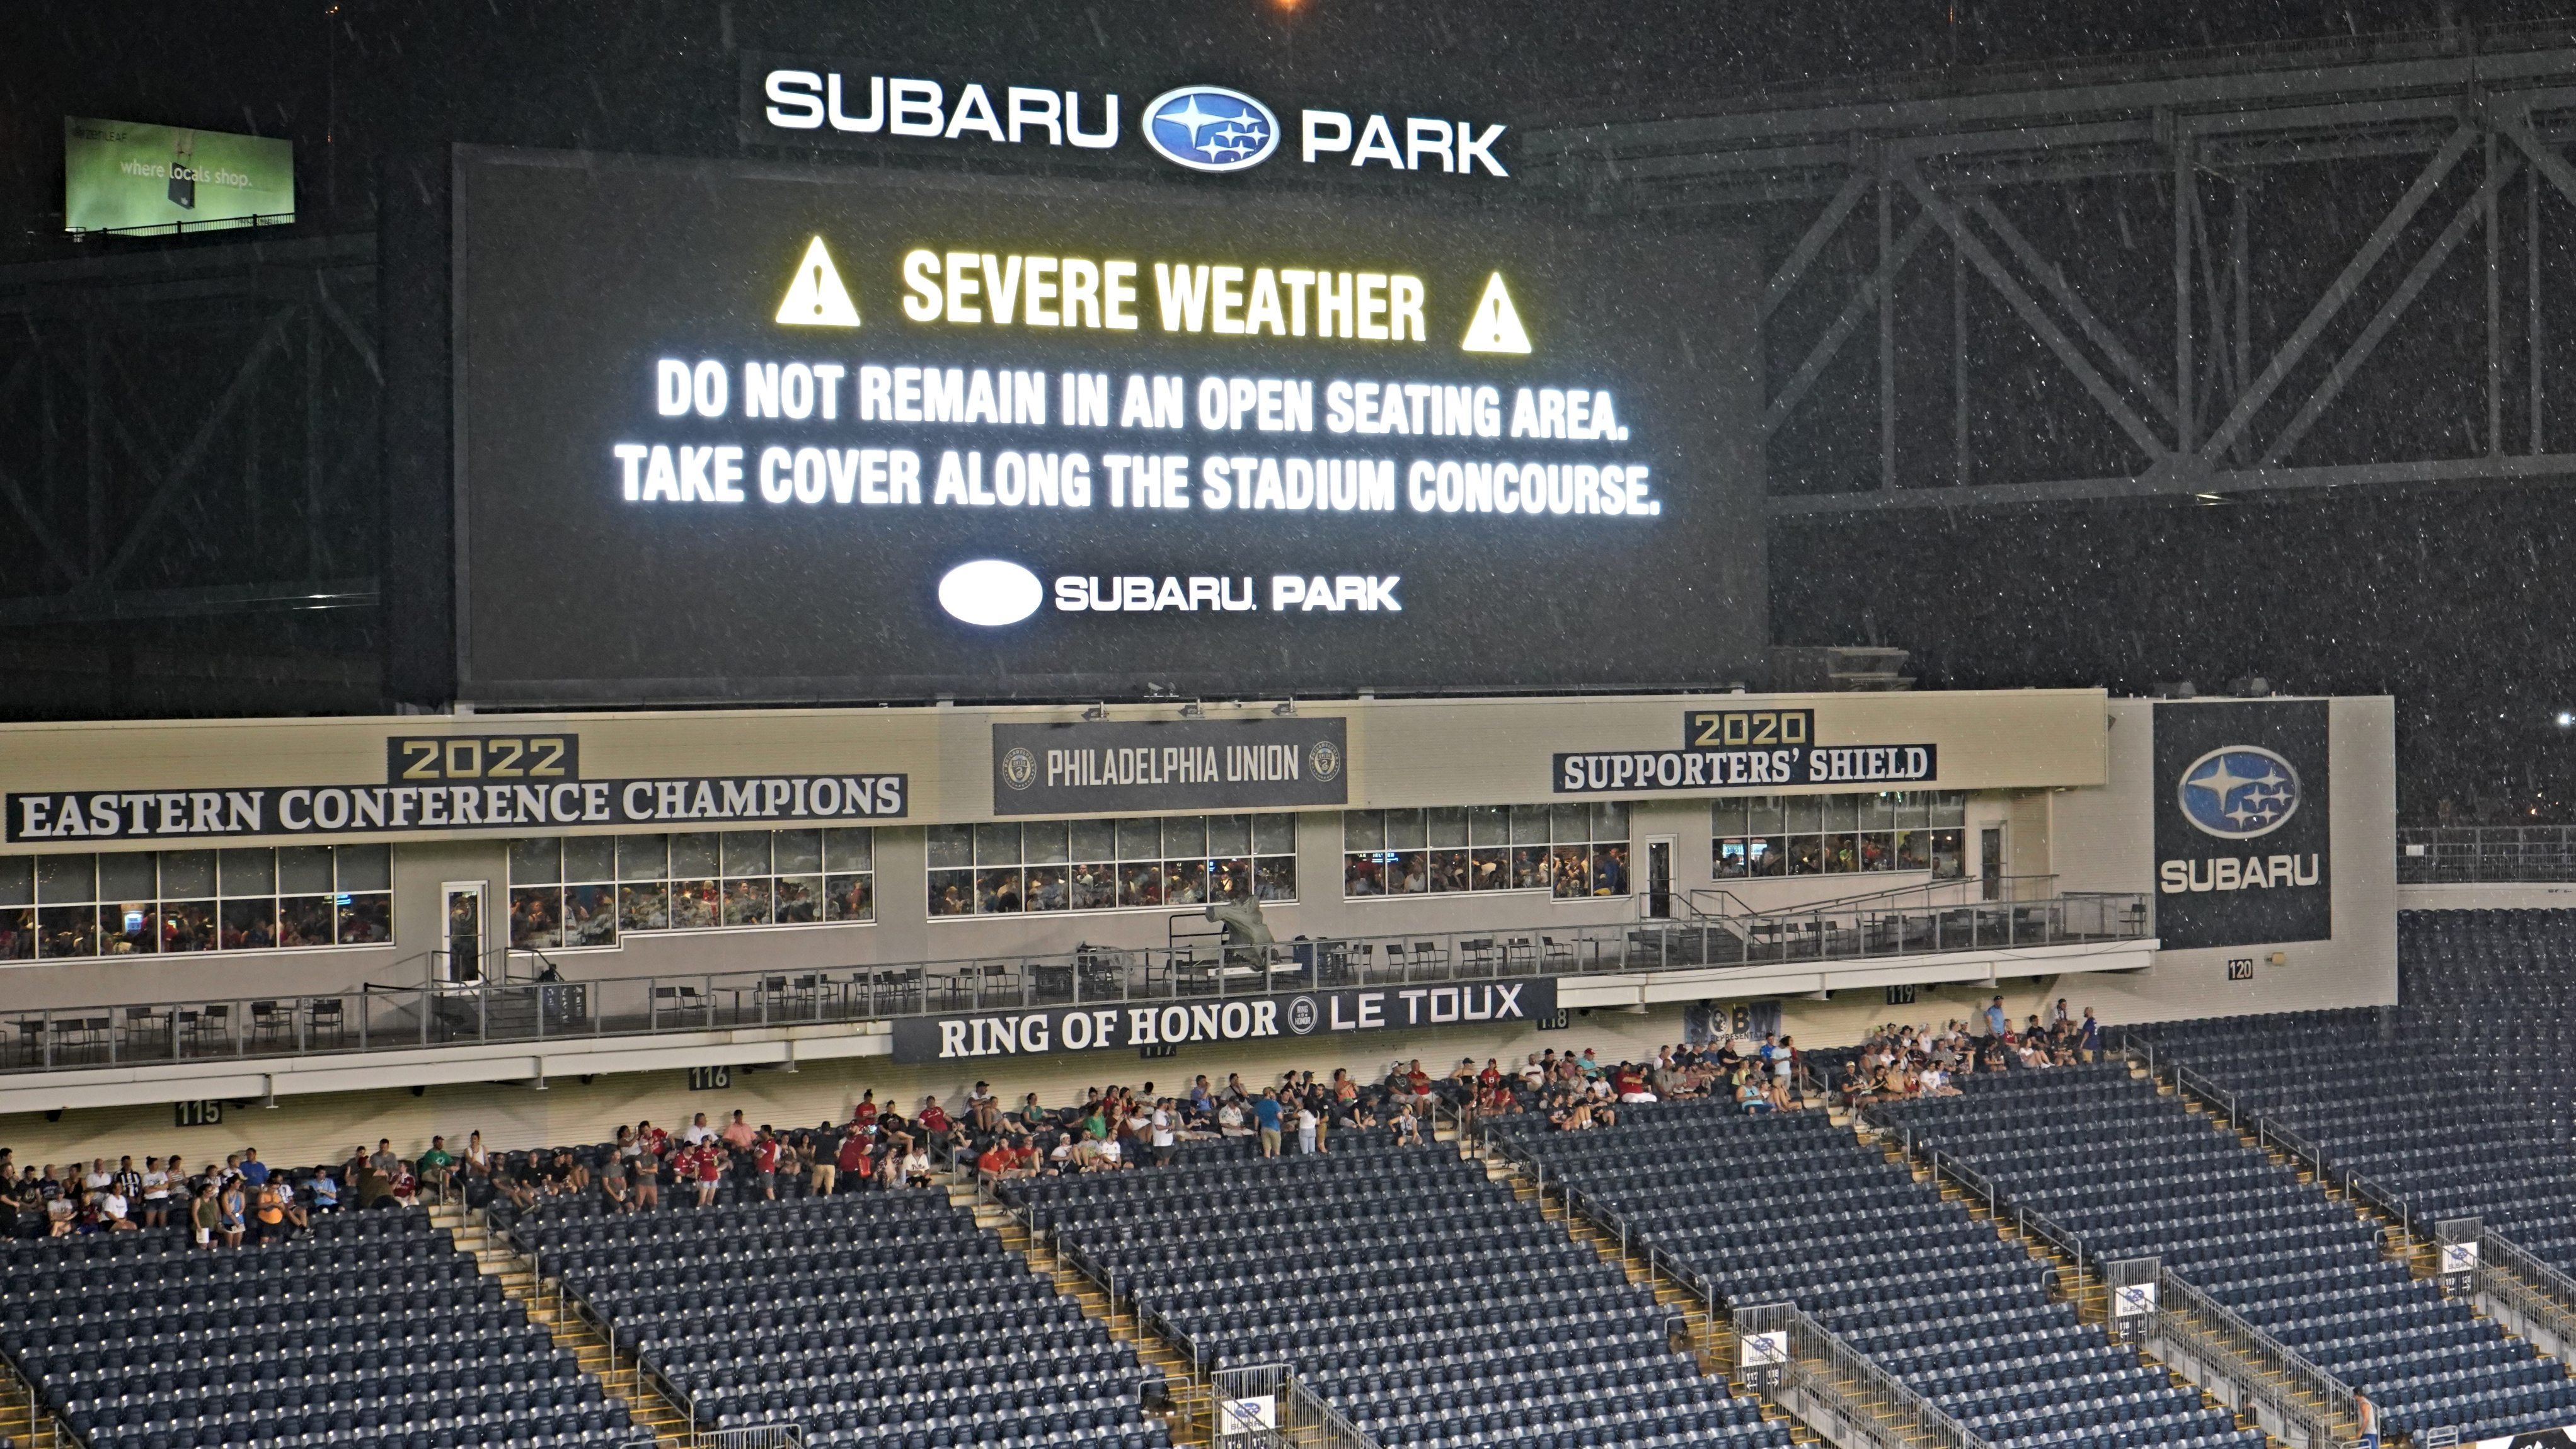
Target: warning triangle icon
[(1495, 327), (817, 299)]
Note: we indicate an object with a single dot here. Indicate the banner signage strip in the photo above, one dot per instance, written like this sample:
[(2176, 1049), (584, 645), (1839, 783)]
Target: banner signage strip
[(1605, 772), (1143, 766), (1053, 1030), (347, 810)]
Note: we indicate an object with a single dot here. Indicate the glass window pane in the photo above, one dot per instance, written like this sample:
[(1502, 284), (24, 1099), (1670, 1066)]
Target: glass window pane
[(67, 931), (746, 902), (1229, 836), (746, 853), (997, 844), (1949, 807), (591, 915), (361, 867), (1913, 810), (1093, 840), (848, 849), (17, 880), (1762, 815), (1094, 886), (1610, 822), (536, 917), (1043, 888), (246, 872), (694, 902), (1404, 830), (365, 920), (133, 928), (590, 858), (849, 898), (643, 857), (1726, 817), (997, 892), (1363, 830), (952, 892), (187, 925), (1445, 827), (693, 856), (250, 925), (1274, 834), (1185, 837), (800, 852), (535, 860), (1805, 814), (799, 899), (304, 870), (1877, 812), (66, 878), (305, 920), (1842, 812), (1529, 824), (1185, 882), (1043, 842), (1141, 840), (644, 907), (1489, 825), (1570, 824), (128, 876), (1274, 878), (951, 846)]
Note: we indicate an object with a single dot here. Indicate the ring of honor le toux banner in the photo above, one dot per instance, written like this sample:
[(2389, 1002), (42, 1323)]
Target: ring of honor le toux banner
[(971, 1036), (2242, 827)]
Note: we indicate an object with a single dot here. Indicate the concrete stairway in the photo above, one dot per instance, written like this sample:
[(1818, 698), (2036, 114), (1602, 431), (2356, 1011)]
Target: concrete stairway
[(621, 1380)]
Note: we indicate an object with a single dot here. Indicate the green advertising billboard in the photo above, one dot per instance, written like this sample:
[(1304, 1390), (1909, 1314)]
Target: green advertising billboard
[(119, 176)]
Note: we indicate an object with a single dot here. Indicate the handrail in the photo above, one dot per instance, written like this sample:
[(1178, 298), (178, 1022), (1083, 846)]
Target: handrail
[(2248, 1341), (2180, 1313), (376, 1019), (1885, 893)]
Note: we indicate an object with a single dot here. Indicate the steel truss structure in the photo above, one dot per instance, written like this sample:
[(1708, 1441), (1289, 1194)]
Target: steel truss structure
[(2270, 331), (189, 431)]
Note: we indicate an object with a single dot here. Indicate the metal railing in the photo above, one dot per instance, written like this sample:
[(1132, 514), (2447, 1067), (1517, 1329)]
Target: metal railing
[(2192, 1324), (758, 1436), (1266, 1406), (2226, 1329), (1842, 1392), (388, 1018), (2477, 854), (2533, 1300)]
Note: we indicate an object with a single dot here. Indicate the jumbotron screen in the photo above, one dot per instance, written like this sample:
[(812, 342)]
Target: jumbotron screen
[(743, 432)]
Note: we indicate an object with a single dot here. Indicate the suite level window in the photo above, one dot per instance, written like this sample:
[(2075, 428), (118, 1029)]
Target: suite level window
[(590, 890), (1909, 830), (1569, 851), (147, 903), (1105, 865)]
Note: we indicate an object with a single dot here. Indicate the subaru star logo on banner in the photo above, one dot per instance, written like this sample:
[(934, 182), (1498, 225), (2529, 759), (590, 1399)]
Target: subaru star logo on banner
[(2241, 823), (1209, 128)]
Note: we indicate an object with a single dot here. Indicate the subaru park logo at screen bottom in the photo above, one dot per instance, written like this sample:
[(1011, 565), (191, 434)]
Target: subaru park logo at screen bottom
[(990, 592), (2237, 792)]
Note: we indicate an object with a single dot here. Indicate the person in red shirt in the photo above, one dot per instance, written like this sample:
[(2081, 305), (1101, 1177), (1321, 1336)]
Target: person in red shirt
[(1491, 1077), (996, 1162), (864, 1115), (764, 1160), (710, 1163), (933, 1119)]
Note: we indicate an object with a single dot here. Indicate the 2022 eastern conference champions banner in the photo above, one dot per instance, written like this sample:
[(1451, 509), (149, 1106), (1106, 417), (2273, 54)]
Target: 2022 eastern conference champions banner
[(979, 1035)]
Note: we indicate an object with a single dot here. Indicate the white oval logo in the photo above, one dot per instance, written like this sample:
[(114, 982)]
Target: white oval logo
[(1210, 128), (990, 592)]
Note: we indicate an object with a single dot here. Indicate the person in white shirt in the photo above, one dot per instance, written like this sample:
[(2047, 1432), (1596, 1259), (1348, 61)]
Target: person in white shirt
[(698, 1131), (113, 1212), (1307, 1122), (1163, 1136), (156, 1194), (1229, 1120), (95, 1182)]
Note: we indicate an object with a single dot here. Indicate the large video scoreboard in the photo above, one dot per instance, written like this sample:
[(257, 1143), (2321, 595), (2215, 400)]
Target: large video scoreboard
[(729, 431)]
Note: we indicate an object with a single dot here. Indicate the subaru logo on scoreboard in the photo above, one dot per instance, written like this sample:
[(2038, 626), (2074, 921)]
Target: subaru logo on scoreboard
[(2242, 838), (1210, 128), (2237, 792)]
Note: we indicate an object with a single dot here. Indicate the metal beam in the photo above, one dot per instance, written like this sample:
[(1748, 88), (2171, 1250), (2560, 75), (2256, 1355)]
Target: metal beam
[(2042, 326), (2053, 279), (2294, 350), (90, 607), (190, 456), (1812, 241), (2182, 481), (1862, 299), (2417, 276)]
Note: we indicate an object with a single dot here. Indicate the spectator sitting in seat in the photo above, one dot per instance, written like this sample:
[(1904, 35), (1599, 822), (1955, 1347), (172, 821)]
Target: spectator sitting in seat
[(1749, 1098), (114, 1213), (916, 1166), (435, 1165), (994, 1164), (268, 1215), (983, 1109), (1229, 1120), (404, 1187), (325, 1190)]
